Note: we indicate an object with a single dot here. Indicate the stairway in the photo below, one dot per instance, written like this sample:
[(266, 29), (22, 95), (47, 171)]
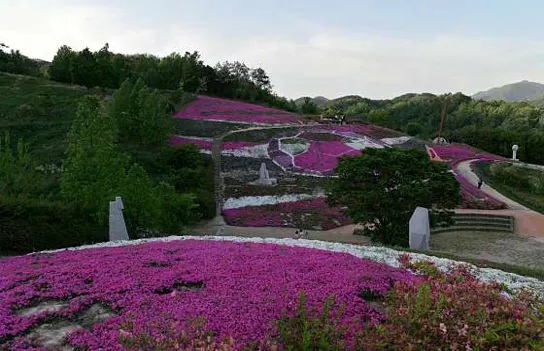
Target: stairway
[(476, 222), (218, 181)]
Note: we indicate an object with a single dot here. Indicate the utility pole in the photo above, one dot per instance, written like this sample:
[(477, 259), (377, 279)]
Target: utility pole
[(442, 116)]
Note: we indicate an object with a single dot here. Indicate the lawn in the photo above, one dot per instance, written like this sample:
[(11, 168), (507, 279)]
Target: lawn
[(526, 196)]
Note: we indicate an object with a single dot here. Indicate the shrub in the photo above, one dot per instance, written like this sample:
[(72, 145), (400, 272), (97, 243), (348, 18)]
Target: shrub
[(33, 225), (454, 311), (511, 176)]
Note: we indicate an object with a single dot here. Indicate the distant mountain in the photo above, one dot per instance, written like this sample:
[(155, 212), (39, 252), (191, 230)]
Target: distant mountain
[(320, 101), (520, 91)]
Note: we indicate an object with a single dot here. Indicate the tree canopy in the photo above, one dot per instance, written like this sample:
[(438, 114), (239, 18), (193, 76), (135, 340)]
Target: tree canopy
[(382, 188)]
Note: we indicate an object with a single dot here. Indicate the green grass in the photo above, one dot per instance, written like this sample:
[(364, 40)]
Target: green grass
[(526, 197), (202, 128), (40, 112)]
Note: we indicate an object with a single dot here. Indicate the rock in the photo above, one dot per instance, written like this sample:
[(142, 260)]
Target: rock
[(419, 231)]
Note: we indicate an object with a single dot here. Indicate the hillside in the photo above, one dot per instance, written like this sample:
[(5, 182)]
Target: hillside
[(320, 101), (520, 91)]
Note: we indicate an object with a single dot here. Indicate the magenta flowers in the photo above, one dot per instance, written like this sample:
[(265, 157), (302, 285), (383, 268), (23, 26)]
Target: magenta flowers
[(214, 109), (239, 289), (306, 213)]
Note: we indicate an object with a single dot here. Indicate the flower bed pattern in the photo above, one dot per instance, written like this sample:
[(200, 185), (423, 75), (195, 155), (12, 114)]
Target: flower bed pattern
[(310, 214), (240, 289), (208, 108), (326, 145)]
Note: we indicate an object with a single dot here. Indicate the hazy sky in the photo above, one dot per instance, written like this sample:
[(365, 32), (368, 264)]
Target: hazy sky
[(377, 49)]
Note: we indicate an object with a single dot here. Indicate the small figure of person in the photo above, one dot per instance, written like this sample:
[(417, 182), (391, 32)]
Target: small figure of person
[(480, 183), (297, 234)]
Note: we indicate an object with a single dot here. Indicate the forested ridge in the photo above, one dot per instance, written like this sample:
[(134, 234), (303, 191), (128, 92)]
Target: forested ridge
[(493, 126)]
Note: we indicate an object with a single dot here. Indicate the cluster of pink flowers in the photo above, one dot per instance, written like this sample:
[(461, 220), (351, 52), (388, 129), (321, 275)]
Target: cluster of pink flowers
[(306, 214), (322, 156), (208, 108), (239, 289), (456, 153)]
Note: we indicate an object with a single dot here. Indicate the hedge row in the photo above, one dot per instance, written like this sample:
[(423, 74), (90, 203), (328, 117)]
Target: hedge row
[(33, 225)]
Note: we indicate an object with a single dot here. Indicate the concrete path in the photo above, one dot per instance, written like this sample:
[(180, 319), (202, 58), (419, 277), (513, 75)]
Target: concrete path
[(342, 234), (463, 168)]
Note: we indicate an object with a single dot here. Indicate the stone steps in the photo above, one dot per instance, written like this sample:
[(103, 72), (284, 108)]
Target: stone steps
[(479, 223)]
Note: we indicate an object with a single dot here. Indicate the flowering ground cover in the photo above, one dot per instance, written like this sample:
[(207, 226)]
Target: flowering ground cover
[(311, 214), (243, 290), (208, 108), (238, 289)]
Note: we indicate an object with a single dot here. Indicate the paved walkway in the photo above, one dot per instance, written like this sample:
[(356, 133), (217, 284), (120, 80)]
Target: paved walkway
[(528, 222), (463, 168), (342, 234)]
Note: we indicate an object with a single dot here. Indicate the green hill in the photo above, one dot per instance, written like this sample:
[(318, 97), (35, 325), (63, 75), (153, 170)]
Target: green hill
[(520, 91)]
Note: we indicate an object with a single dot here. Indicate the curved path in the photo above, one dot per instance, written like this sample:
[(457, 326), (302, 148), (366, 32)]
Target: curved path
[(464, 169), (528, 222)]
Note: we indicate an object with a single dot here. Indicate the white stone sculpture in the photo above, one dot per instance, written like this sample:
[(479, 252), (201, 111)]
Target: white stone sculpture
[(118, 228), (420, 230), (515, 149), (264, 177)]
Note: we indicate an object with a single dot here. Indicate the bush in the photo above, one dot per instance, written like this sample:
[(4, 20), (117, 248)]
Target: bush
[(33, 225), (511, 176), (454, 311)]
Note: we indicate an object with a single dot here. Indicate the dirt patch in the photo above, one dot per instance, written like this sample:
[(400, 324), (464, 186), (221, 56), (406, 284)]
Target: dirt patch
[(51, 335)]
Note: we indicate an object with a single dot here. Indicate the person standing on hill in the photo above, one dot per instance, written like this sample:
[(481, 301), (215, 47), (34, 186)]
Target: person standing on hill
[(480, 182)]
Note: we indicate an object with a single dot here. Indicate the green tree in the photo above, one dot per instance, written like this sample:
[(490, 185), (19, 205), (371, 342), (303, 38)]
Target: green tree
[(413, 128), (378, 117), (141, 114), (18, 175), (382, 188), (61, 66), (309, 107), (93, 171)]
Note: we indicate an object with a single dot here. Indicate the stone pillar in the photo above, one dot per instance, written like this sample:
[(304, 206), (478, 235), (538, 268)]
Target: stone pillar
[(420, 230), (118, 228), (515, 152)]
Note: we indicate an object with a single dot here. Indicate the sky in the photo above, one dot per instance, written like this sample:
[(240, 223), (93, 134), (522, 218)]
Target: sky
[(372, 48)]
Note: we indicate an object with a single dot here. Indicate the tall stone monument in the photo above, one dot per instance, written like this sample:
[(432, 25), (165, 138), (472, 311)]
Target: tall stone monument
[(264, 177), (420, 230), (515, 149), (118, 228)]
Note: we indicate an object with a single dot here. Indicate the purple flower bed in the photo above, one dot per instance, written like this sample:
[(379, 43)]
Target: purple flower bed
[(239, 289), (306, 214), (209, 108), (462, 152), (322, 156)]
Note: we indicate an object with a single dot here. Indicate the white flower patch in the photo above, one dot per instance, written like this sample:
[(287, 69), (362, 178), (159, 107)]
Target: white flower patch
[(396, 141), (379, 254), (294, 149), (257, 151), (363, 143), (245, 201), (207, 152)]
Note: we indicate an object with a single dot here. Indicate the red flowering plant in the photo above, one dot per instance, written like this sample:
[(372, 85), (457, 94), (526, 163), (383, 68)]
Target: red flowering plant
[(455, 311)]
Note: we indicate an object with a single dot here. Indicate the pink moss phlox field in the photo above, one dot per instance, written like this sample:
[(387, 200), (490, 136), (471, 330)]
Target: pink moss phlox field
[(239, 288), (288, 214), (208, 108), (322, 156)]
